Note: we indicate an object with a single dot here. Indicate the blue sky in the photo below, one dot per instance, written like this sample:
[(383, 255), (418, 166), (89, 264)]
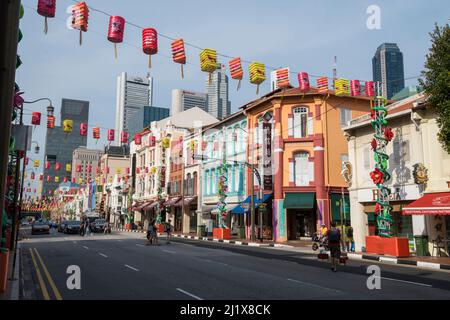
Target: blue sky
[(304, 35)]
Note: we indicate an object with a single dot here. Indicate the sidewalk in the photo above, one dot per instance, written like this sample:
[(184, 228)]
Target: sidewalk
[(302, 246), (12, 289)]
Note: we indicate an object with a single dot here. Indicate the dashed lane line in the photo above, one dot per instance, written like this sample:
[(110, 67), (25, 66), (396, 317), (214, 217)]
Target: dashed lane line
[(103, 255), (314, 285), (410, 282), (130, 267), (189, 294)]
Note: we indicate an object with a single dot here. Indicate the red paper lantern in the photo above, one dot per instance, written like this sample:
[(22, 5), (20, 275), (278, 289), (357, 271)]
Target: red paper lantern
[(36, 119), (152, 141), (89, 169), (65, 179), (111, 135), (78, 168), (127, 170), (124, 136), (80, 18), (96, 132), (146, 169), (322, 85), (26, 161), (138, 170), (303, 81), (50, 122), (150, 43), (32, 176), (370, 90), (116, 30), (137, 139), (47, 164), (99, 171), (179, 54), (41, 177), (57, 166), (47, 9), (49, 178), (73, 180), (83, 129), (355, 88)]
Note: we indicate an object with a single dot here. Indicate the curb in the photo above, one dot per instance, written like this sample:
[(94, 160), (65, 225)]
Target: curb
[(351, 256)]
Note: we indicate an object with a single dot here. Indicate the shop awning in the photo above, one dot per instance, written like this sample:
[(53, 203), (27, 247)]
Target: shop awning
[(430, 204), (152, 205), (299, 200), (244, 207), (172, 201), (187, 201), (147, 206), (139, 206)]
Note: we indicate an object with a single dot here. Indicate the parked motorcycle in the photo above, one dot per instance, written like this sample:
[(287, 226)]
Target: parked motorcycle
[(319, 242)]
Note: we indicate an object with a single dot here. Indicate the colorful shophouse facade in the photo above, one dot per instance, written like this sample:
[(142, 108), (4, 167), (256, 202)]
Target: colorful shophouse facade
[(297, 142)]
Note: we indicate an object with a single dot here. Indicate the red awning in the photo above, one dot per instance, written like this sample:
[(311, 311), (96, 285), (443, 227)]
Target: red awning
[(172, 201), (147, 206), (430, 204), (187, 201)]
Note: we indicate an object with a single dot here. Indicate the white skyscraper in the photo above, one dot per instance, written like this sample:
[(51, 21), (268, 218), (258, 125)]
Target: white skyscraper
[(218, 104), (183, 100), (133, 94)]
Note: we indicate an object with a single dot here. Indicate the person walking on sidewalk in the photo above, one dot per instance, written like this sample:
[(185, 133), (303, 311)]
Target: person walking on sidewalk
[(334, 244), (349, 241), (169, 231)]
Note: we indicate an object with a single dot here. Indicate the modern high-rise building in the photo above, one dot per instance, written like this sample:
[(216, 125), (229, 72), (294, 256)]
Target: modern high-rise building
[(144, 117), (133, 94), (85, 163), (183, 100), (216, 85), (59, 146), (387, 66)]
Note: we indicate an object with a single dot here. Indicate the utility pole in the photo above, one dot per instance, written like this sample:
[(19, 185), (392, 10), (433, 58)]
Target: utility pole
[(9, 24)]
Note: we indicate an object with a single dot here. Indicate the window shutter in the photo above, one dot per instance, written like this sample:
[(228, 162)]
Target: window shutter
[(291, 127)]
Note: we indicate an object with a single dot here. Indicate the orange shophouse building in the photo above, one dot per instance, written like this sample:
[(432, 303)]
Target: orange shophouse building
[(296, 140)]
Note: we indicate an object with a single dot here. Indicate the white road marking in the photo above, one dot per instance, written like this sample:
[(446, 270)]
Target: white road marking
[(410, 282), (75, 242), (314, 285), (139, 245), (119, 240), (86, 247), (131, 267), (168, 251), (189, 294), (103, 255)]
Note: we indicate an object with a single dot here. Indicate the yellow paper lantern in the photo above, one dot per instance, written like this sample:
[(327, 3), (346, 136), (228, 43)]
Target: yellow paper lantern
[(257, 74), (80, 180), (166, 143), (119, 171), (153, 170), (68, 167), (67, 126), (56, 179), (208, 60), (36, 163), (342, 87), (192, 145)]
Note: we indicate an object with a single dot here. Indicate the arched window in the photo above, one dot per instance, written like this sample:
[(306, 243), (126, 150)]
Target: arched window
[(189, 184), (300, 122), (301, 169), (195, 183)]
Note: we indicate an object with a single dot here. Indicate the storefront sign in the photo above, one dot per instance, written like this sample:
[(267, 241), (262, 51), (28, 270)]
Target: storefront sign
[(405, 193), (267, 157), (420, 174)]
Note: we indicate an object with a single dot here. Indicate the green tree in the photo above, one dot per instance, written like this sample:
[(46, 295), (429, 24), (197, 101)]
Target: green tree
[(436, 81)]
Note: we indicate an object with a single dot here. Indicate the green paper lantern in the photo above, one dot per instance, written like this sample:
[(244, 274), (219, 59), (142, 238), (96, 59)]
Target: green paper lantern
[(20, 35), (22, 12)]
